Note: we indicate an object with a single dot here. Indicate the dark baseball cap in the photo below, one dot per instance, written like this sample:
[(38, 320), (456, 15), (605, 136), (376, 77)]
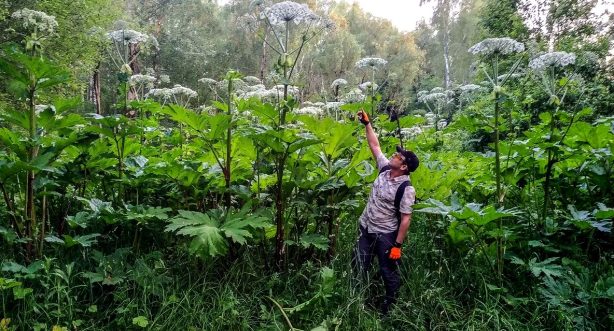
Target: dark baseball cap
[(410, 159)]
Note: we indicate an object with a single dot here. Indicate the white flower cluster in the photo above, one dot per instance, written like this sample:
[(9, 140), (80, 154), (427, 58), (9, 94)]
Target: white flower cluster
[(207, 81), (253, 80), (35, 19), (338, 83), (470, 88), (310, 110), (238, 86), (333, 105), (41, 108), (368, 86), (127, 36), (436, 95), (430, 118), (553, 59), (288, 11), (143, 80), (292, 90), (438, 90), (162, 93), (179, 90), (589, 58), (501, 46), (355, 95), (412, 132), (432, 97), (371, 62), (509, 76), (165, 79), (247, 22), (259, 91)]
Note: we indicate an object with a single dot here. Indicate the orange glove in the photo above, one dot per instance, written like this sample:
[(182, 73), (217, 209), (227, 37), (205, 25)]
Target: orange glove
[(395, 253), (363, 117)]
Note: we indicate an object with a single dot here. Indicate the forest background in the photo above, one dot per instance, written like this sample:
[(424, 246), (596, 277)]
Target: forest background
[(170, 164)]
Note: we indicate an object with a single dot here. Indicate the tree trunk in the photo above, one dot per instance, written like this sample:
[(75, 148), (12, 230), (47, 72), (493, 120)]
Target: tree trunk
[(93, 90), (156, 56), (446, 44)]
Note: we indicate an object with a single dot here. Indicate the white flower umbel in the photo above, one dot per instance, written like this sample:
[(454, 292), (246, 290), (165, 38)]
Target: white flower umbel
[(286, 12), (292, 90), (553, 59), (252, 80), (121, 41), (140, 83), (469, 92), (163, 94), (432, 97), (368, 87), (142, 80), (333, 105), (165, 79), (501, 46), (438, 90), (409, 133), (41, 108), (208, 81), (310, 110), (355, 95), (181, 91), (35, 20), (338, 83), (470, 88), (258, 91), (127, 36), (502, 78), (374, 63), (435, 102)]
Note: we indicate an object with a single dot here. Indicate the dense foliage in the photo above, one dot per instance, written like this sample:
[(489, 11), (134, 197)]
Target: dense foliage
[(184, 165)]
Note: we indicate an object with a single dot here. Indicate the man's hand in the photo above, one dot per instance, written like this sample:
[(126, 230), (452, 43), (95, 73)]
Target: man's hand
[(395, 252), (363, 117)]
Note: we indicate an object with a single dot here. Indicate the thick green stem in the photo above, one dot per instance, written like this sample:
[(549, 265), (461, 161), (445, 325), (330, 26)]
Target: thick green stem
[(228, 146), (499, 196), (32, 153)]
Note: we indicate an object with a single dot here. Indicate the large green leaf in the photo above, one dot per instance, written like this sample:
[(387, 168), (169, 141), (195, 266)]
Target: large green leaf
[(546, 267), (207, 239), (314, 240), (237, 225)]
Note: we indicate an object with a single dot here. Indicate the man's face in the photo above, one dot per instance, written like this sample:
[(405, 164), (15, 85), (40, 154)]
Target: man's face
[(397, 161)]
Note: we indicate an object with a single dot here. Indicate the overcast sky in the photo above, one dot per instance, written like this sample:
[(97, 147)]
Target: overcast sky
[(404, 14)]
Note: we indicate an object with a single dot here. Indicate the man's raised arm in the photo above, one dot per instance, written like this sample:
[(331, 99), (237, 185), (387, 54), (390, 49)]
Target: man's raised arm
[(371, 137)]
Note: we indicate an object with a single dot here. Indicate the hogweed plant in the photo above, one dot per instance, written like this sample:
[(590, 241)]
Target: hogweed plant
[(337, 85), (372, 64), (436, 101), (141, 84), (291, 26), (123, 50), (491, 51), (550, 69), (35, 27), (29, 73)]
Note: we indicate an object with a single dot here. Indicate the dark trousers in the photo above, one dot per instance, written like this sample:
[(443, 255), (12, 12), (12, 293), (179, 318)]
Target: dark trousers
[(378, 244)]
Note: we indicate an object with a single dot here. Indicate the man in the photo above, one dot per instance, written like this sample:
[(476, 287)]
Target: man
[(382, 227)]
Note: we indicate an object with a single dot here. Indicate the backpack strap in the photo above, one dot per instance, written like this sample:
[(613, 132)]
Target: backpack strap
[(384, 168), (398, 197)]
